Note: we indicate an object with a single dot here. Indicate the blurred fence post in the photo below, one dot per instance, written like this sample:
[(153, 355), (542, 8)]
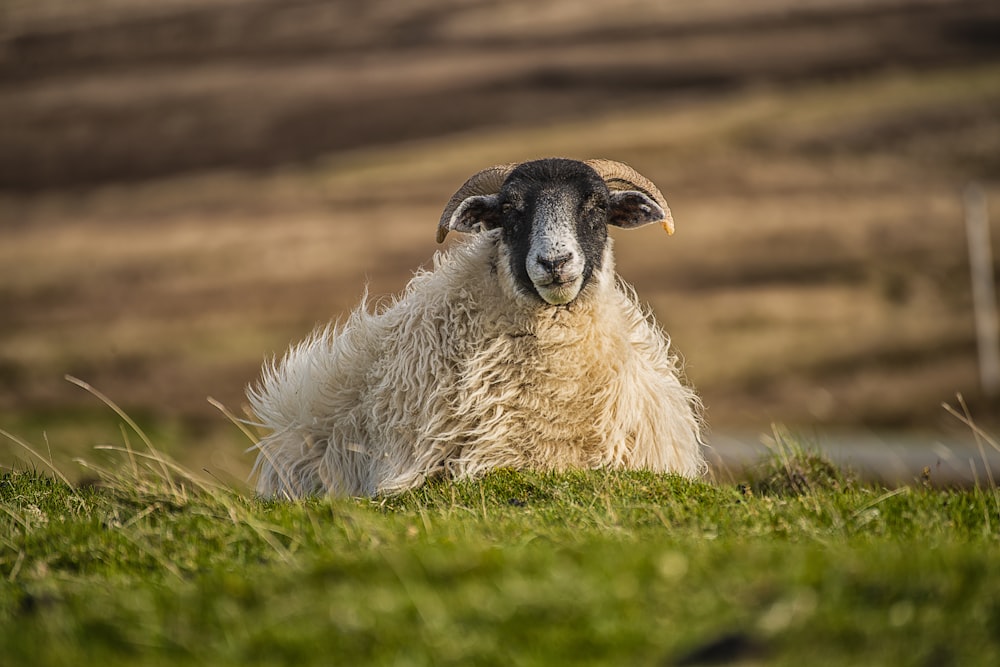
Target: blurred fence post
[(977, 228)]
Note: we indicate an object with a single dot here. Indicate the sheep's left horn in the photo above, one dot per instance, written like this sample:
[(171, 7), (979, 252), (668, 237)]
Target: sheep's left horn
[(486, 182), (620, 176)]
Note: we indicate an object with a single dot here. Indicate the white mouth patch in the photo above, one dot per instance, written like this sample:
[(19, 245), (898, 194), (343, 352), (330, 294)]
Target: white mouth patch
[(559, 295), (555, 261)]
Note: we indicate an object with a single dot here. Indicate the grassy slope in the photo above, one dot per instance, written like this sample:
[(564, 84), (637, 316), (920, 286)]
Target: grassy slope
[(801, 567)]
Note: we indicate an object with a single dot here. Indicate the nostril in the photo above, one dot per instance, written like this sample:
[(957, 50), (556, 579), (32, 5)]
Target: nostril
[(554, 264)]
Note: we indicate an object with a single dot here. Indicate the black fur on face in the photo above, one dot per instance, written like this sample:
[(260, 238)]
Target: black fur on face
[(549, 209)]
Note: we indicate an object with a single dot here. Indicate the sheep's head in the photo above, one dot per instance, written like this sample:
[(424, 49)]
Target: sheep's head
[(554, 215)]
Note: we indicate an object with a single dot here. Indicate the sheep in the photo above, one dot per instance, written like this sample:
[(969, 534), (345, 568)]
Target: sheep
[(519, 348)]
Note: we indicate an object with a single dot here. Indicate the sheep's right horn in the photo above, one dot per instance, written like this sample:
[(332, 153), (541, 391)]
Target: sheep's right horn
[(620, 176), (486, 182)]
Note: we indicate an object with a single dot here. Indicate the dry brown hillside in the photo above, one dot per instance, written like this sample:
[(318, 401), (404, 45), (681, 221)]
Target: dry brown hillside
[(186, 187)]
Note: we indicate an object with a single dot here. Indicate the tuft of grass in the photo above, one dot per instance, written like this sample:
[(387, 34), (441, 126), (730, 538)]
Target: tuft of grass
[(796, 469)]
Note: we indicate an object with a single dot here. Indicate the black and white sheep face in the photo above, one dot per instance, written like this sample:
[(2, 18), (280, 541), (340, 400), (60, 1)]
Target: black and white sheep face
[(554, 215)]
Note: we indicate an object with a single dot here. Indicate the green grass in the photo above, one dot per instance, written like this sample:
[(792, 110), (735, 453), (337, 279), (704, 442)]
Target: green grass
[(798, 564)]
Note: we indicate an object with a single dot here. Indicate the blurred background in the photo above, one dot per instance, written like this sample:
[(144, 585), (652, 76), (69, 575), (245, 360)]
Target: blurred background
[(186, 187)]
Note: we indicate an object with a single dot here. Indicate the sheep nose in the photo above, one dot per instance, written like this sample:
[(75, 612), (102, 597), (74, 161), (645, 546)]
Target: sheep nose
[(554, 265)]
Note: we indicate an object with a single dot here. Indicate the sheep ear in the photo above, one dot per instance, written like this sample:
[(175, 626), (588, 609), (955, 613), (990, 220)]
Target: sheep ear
[(631, 208), (476, 214)]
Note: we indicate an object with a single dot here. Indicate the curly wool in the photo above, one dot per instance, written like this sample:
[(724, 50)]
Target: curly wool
[(463, 374)]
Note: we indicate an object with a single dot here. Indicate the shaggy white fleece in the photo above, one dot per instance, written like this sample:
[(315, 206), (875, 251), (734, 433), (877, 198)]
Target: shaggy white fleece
[(462, 374)]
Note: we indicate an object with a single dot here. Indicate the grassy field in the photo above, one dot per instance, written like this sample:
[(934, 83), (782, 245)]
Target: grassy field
[(798, 564)]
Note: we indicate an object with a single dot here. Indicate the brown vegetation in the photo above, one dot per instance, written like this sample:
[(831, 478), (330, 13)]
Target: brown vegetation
[(188, 187)]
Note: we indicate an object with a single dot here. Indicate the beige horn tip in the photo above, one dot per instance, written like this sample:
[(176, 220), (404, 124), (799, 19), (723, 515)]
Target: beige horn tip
[(668, 222)]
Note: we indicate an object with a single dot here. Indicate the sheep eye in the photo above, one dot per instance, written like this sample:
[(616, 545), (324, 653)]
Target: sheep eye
[(596, 212), (507, 207)]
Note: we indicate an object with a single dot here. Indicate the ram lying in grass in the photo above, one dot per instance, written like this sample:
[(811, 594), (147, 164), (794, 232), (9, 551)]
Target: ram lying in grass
[(521, 348)]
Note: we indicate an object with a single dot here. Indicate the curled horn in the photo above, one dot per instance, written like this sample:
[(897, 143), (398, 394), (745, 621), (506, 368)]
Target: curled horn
[(620, 176), (486, 182)]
